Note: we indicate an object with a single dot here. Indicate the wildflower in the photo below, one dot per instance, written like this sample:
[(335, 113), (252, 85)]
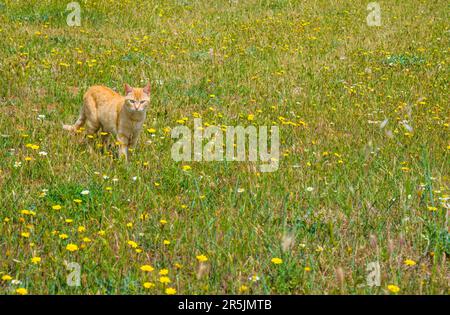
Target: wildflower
[(163, 272), (132, 244), (240, 190), (163, 222), (148, 285), (243, 288), (171, 291), (307, 269), (77, 200), (63, 236), (202, 258), (147, 268), (36, 260), (81, 229), (151, 130), (22, 291), (85, 192), (319, 249), (164, 280), (6, 278), (186, 167), (129, 225), (393, 288), (56, 207), (277, 261), (25, 234), (101, 233), (431, 208), (69, 220), (86, 239), (310, 189), (409, 262), (72, 247)]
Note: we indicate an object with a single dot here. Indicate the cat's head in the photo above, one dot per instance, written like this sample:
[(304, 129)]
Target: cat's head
[(137, 99)]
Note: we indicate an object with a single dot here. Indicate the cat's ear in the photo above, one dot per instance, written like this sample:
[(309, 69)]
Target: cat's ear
[(128, 89), (146, 89)]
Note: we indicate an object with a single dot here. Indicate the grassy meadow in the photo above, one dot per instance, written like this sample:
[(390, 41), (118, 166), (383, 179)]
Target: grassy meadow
[(363, 174)]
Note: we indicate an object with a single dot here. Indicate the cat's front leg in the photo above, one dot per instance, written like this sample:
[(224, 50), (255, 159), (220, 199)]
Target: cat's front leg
[(123, 146), (134, 139)]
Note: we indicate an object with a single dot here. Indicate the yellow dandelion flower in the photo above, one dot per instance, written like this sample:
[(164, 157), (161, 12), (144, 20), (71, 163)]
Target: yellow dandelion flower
[(25, 234), (277, 261), (243, 288), (63, 236), (147, 268), (307, 269), (163, 222), (166, 242), (202, 258), (56, 207), (36, 260), (72, 247), (148, 285), (101, 233), (409, 262), (6, 278), (22, 291), (186, 168), (81, 229), (163, 272), (132, 244), (171, 291), (393, 288), (164, 280)]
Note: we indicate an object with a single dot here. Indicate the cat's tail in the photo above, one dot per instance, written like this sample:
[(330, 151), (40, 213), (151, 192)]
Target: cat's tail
[(80, 122)]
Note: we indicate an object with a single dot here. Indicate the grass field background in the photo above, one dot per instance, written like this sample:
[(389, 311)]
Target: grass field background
[(363, 177)]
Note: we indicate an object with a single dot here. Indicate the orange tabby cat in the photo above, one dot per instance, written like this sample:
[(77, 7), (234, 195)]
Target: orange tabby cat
[(111, 112)]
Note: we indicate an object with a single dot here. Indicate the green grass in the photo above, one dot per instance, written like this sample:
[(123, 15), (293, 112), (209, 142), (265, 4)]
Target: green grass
[(316, 64)]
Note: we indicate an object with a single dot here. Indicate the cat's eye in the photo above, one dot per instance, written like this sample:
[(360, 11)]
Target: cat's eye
[(142, 102), (132, 101)]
